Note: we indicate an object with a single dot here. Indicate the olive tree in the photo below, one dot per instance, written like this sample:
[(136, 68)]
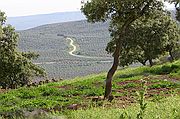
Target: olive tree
[(16, 68), (121, 13), (148, 39)]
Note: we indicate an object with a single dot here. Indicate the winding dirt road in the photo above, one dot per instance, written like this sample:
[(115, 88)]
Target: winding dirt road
[(83, 56), (71, 52)]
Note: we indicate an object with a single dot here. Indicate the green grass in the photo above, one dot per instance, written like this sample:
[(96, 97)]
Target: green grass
[(168, 108), (59, 95)]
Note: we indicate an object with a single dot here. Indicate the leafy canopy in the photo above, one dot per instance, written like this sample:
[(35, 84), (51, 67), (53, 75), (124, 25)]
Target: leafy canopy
[(16, 68), (147, 39)]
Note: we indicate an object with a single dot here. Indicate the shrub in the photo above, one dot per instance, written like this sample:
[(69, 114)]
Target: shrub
[(16, 68)]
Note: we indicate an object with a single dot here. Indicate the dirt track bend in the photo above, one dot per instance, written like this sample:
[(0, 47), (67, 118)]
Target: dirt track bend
[(71, 52)]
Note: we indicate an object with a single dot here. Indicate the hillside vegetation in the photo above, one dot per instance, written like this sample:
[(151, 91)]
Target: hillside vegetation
[(85, 95), (50, 42)]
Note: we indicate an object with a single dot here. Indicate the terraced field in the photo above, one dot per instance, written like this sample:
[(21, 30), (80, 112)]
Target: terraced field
[(51, 42)]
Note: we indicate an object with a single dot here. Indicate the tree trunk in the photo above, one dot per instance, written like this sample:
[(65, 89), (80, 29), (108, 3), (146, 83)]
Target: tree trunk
[(171, 55), (108, 88), (151, 62), (143, 63)]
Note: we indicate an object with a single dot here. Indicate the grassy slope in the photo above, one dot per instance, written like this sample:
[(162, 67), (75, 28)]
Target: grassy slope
[(81, 91), (166, 109)]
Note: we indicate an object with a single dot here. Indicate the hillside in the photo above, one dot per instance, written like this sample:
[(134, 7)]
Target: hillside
[(26, 22), (62, 99), (50, 41)]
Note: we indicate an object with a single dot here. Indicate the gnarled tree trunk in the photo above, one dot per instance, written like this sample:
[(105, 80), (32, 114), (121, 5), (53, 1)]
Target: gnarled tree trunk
[(108, 88), (150, 62)]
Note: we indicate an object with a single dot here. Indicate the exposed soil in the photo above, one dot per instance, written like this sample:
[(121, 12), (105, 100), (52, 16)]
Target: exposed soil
[(128, 98), (166, 77), (3, 90)]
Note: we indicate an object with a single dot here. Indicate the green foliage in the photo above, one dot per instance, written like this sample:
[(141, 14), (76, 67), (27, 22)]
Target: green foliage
[(125, 115), (165, 109), (165, 69), (138, 26), (141, 100), (130, 85), (27, 94), (143, 36), (16, 68)]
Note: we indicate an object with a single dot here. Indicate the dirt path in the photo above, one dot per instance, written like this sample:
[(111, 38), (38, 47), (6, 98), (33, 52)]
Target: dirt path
[(74, 48), (71, 52)]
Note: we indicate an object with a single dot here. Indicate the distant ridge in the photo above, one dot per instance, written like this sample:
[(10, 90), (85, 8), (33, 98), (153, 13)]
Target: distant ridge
[(26, 22)]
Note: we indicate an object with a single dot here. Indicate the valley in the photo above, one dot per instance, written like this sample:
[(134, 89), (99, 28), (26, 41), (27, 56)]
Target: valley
[(83, 55)]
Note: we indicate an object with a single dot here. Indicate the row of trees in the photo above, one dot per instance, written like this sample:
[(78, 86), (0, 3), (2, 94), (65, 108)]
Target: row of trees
[(140, 30), (16, 68)]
